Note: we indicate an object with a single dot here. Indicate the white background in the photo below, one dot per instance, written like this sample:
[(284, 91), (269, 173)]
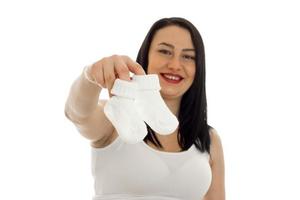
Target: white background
[(252, 55)]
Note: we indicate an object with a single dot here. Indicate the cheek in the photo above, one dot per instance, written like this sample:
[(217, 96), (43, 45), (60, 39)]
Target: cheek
[(191, 71), (150, 67), (153, 65)]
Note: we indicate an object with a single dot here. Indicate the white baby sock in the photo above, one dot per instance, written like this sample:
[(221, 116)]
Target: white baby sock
[(151, 105), (120, 110)]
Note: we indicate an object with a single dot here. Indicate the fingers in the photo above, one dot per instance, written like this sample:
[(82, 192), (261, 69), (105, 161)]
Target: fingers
[(134, 67), (121, 69), (97, 74), (106, 70), (109, 73)]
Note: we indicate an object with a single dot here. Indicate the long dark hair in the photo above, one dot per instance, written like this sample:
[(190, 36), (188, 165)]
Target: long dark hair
[(193, 127)]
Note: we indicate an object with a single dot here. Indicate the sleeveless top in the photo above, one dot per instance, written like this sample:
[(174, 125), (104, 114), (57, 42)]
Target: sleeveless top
[(140, 172)]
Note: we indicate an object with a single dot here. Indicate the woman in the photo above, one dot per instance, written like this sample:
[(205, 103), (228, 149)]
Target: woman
[(187, 164)]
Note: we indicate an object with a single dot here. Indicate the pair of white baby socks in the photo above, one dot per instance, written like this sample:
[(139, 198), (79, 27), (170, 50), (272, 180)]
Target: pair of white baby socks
[(135, 102)]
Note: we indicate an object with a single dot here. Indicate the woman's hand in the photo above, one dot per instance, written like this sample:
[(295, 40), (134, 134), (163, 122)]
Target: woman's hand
[(106, 70)]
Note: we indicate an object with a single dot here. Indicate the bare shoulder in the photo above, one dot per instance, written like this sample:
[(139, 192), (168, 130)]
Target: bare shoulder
[(106, 141), (217, 187), (216, 148), (214, 136)]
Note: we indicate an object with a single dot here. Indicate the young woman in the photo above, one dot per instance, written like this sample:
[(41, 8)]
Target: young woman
[(187, 164)]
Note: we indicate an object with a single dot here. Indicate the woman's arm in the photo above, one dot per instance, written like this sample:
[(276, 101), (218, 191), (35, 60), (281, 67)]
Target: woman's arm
[(217, 187), (85, 110), (83, 98)]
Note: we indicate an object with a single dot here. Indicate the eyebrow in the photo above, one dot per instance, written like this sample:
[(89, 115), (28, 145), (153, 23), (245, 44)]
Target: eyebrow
[(172, 46)]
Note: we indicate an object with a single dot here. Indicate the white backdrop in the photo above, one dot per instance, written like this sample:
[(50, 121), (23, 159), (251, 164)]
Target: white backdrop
[(252, 55)]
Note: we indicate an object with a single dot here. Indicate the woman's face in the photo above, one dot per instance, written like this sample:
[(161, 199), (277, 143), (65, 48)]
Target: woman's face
[(172, 58)]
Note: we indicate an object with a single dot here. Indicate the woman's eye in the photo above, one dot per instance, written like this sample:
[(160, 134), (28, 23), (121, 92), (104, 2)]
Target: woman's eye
[(165, 52), (188, 57)]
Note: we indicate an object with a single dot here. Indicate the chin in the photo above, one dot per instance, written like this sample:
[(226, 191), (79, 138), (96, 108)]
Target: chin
[(170, 95)]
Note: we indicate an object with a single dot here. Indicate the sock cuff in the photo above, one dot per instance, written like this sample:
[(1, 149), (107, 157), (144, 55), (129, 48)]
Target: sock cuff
[(124, 89), (147, 82)]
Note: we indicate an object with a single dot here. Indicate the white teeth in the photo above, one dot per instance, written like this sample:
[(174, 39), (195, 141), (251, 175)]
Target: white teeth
[(171, 77)]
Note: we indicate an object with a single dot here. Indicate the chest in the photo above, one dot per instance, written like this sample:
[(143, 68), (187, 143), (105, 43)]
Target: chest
[(138, 170)]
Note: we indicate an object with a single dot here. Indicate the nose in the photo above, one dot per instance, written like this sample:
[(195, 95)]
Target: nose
[(174, 63)]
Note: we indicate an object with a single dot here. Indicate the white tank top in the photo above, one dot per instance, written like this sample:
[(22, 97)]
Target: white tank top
[(140, 172)]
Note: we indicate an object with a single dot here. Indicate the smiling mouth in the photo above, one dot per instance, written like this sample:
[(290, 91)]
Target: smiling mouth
[(170, 78)]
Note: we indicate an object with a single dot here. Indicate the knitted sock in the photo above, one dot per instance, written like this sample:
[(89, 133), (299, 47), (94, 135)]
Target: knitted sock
[(151, 105), (120, 110)]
